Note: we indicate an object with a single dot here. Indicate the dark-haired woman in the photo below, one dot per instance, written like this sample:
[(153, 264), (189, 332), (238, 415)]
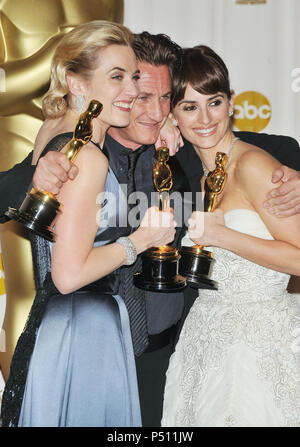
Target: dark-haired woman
[(237, 362)]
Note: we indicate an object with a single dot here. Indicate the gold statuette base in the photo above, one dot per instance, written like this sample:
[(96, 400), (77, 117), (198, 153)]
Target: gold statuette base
[(37, 213), (196, 265), (160, 271)]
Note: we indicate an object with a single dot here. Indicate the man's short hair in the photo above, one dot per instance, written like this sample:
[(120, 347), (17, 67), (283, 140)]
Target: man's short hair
[(156, 49)]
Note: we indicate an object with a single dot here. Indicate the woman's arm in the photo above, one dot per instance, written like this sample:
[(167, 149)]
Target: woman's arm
[(254, 173), (75, 262)]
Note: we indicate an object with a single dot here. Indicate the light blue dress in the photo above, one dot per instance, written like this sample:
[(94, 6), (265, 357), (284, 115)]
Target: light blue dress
[(82, 370)]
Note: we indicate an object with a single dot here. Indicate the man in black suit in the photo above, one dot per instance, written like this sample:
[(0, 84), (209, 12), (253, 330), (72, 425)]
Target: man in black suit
[(148, 116)]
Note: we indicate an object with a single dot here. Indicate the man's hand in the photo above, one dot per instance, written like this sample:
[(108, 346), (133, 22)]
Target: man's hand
[(170, 136), (52, 171), (284, 200)]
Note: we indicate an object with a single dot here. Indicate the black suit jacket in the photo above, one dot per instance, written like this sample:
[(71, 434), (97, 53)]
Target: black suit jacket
[(14, 184)]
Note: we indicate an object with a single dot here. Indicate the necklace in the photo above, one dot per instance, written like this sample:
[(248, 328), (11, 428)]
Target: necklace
[(206, 171)]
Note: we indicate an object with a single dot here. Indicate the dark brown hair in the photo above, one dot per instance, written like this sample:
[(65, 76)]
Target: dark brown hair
[(204, 70), (156, 49)]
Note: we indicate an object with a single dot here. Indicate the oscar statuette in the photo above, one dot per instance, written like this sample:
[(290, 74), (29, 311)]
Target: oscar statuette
[(196, 263), (40, 208), (160, 264)]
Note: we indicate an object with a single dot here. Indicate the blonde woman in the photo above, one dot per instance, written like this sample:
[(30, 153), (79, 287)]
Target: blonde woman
[(74, 363)]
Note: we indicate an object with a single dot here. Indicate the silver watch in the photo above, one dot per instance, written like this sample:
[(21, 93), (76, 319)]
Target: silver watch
[(130, 249)]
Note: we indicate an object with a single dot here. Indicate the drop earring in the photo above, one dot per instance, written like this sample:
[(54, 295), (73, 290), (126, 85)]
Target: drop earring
[(79, 102), (231, 113)]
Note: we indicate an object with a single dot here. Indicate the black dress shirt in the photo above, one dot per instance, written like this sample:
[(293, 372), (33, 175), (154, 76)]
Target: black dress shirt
[(118, 162)]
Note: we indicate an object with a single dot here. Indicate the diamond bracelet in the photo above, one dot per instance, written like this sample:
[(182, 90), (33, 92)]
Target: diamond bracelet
[(130, 249)]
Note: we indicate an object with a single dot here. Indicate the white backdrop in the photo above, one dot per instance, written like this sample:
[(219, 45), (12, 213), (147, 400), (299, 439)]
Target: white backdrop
[(260, 44)]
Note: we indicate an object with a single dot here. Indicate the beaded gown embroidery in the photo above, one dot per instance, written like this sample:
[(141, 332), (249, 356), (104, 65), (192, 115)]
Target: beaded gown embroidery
[(237, 362)]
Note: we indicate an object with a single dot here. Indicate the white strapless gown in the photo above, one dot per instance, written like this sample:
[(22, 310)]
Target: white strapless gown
[(237, 361)]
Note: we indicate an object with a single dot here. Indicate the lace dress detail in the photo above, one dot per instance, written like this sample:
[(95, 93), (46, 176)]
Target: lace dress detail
[(237, 362)]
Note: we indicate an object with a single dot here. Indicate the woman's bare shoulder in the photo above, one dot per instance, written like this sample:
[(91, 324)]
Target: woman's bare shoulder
[(92, 171), (253, 173), (89, 153), (254, 161), (91, 162)]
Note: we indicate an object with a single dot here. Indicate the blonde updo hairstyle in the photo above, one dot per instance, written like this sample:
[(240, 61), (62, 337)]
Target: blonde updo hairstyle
[(78, 52)]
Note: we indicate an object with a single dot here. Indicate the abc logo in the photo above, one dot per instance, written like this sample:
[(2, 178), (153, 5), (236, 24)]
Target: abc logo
[(252, 111)]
